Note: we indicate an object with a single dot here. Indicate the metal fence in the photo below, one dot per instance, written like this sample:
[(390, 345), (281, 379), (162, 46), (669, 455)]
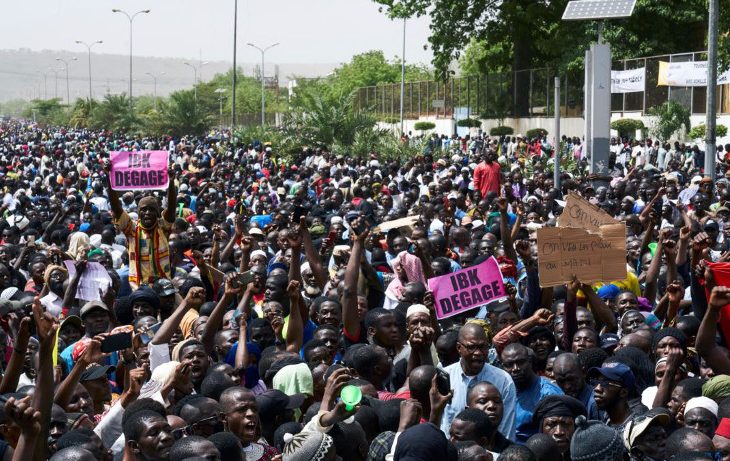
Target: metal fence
[(529, 93)]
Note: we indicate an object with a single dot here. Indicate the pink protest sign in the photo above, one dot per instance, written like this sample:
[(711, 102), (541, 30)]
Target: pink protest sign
[(140, 170), (467, 289)]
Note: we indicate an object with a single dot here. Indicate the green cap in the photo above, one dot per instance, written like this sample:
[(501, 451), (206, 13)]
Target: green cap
[(351, 395)]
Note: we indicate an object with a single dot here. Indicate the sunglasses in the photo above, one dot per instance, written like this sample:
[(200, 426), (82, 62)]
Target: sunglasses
[(604, 383), (189, 430)]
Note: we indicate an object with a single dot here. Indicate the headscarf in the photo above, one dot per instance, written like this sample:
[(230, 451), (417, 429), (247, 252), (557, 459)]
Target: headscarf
[(251, 373), (557, 405), (414, 271), (78, 245), (307, 446), (294, 379), (701, 402), (717, 388), (147, 295), (49, 271), (177, 350), (485, 326)]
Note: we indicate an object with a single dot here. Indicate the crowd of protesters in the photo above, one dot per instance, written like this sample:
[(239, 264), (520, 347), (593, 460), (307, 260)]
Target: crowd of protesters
[(235, 314)]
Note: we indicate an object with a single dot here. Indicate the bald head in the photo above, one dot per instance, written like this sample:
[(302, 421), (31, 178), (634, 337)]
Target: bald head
[(233, 395), (568, 374), (473, 330), (73, 454)]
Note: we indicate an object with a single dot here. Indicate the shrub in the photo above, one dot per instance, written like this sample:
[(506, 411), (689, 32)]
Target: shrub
[(501, 131), (536, 132), (627, 127), (424, 126), (469, 123), (671, 117), (698, 132), (391, 120)]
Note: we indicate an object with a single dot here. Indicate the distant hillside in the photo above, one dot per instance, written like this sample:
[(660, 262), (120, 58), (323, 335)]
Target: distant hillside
[(21, 73)]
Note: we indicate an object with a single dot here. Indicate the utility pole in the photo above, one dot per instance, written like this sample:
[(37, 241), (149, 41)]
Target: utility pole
[(88, 47), (68, 91), (556, 170), (154, 79), (403, 76), (263, 80), (131, 20), (711, 112), (233, 90)]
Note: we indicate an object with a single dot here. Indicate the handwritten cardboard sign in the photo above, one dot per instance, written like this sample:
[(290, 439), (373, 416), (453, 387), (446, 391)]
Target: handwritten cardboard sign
[(467, 289), (579, 212), (593, 257), (404, 224), (139, 170)]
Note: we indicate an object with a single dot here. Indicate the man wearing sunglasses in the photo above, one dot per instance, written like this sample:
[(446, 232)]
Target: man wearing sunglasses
[(202, 414), (472, 369), (613, 385)]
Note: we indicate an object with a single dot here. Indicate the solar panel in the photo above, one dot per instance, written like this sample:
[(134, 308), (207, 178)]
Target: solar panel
[(598, 9)]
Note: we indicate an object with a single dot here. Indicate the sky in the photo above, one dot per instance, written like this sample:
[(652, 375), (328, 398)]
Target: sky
[(309, 31)]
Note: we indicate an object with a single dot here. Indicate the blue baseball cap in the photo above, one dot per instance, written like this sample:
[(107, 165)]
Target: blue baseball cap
[(617, 372)]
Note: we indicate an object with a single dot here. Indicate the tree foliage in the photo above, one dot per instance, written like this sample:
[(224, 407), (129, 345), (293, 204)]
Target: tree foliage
[(698, 132), (627, 127), (522, 34), (670, 117)]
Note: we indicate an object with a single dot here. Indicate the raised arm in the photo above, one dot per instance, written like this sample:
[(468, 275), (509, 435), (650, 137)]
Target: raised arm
[(315, 262), (15, 366), (683, 246), (504, 230), (603, 313), (92, 354), (242, 349), (46, 328), (705, 344), (169, 213), (295, 330), (114, 202), (232, 288), (194, 299), (69, 296), (349, 296)]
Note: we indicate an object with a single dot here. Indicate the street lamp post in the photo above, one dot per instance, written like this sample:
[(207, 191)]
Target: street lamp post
[(220, 92), (55, 72), (403, 77), (131, 20), (154, 80), (195, 71), (233, 90), (263, 82), (88, 47), (68, 91)]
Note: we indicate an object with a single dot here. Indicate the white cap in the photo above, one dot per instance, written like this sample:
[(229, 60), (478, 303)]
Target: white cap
[(701, 402)]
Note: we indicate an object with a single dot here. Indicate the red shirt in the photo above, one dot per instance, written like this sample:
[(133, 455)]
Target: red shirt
[(486, 178)]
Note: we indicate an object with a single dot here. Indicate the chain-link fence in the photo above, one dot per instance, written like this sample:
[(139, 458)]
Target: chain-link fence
[(530, 93)]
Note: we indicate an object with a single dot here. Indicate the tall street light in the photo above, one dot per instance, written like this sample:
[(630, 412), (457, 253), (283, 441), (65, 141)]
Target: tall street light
[(233, 91), (263, 82), (55, 72), (154, 79), (131, 20), (221, 92), (68, 91), (88, 47), (403, 76), (195, 71)]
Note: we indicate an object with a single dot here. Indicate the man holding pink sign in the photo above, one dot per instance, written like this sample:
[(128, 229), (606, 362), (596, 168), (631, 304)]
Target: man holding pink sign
[(147, 239)]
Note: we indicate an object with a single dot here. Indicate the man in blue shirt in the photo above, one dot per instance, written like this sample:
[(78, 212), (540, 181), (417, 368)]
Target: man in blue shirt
[(472, 369), (517, 361), (571, 379)]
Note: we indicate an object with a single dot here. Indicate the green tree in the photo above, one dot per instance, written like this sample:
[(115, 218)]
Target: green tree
[(182, 115), (113, 113), (522, 34), (47, 111), (670, 118)]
